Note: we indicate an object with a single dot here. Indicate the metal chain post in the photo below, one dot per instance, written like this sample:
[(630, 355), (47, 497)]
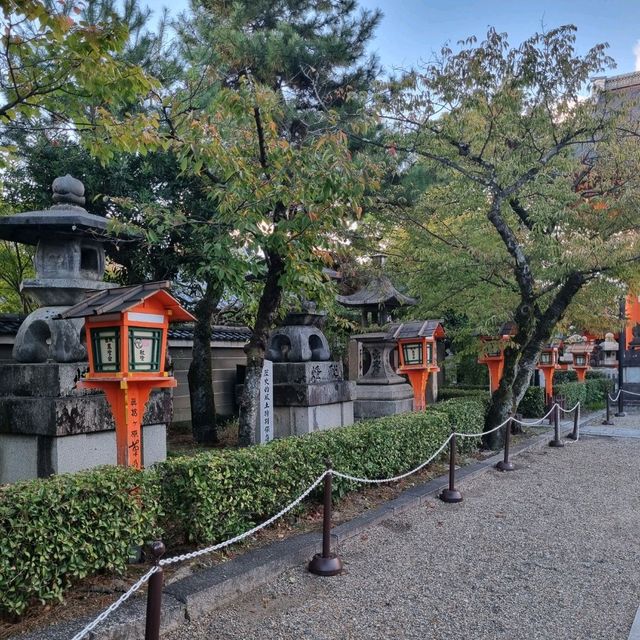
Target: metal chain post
[(326, 563), (451, 494), (556, 442), (607, 419), (154, 594), (505, 464), (576, 418)]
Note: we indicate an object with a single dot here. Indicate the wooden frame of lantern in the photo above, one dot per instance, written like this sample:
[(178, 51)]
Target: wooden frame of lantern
[(126, 330), (548, 363), (581, 362), (418, 358), (494, 361)]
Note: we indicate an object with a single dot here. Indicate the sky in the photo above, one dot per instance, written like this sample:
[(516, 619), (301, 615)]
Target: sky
[(412, 29)]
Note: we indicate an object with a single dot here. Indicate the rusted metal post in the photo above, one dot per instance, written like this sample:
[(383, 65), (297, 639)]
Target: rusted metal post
[(154, 594), (556, 442), (505, 464), (576, 415), (326, 563), (451, 494)]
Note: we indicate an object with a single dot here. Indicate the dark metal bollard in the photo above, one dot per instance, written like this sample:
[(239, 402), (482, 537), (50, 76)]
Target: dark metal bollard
[(451, 494), (506, 464), (607, 419), (620, 413), (154, 594), (556, 442), (326, 563), (574, 434)]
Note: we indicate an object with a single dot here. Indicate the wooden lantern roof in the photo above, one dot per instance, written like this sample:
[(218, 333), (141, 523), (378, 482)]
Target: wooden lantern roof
[(122, 299), (430, 329)]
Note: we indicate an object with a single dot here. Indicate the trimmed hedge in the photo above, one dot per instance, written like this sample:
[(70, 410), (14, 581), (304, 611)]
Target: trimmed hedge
[(532, 404), (450, 393), (67, 527), (591, 392), (213, 496), (62, 529)]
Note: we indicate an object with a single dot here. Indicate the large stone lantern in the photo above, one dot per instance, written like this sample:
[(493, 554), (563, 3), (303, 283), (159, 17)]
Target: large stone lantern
[(69, 263)]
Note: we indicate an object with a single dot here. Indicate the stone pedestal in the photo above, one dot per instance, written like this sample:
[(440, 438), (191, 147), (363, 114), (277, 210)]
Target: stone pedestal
[(47, 426), (310, 396), (380, 391)]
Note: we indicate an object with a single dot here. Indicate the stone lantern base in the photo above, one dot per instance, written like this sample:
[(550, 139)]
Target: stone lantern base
[(310, 396), (47, 426)]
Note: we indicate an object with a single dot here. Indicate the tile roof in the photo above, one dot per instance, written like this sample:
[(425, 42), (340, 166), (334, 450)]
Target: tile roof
[(218, 333), (10, 323)]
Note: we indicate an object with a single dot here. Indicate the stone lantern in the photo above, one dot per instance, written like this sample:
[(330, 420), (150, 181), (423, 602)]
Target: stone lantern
[(47, 425), (69, 263)]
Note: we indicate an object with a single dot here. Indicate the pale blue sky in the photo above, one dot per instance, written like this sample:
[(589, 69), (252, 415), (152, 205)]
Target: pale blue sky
[(412, 29)]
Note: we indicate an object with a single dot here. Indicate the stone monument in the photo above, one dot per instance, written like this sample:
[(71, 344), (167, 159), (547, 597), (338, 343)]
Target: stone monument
[(46, 425), (309, 390)]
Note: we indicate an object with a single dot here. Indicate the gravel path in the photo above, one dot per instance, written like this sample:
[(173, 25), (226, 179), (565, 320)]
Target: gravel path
[(547, 552)]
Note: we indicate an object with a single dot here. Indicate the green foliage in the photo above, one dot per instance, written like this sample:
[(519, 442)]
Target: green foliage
[(467, 416), (59, 530), (560, 377), (68, 527), (448, 393), (572, 392), (533, 404), (591, 392)]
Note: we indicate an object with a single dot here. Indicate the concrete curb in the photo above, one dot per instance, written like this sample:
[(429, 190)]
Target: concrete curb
[(211, 588)]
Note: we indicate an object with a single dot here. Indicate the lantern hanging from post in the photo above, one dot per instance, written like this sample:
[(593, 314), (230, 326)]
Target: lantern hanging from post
[(548, 363), (418, 354), (126, 331)]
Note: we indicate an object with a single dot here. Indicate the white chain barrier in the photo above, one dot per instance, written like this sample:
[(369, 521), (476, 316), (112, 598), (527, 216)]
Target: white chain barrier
[(631, 393), (338, 474), (246, 534), (346, 476), (109, 610)]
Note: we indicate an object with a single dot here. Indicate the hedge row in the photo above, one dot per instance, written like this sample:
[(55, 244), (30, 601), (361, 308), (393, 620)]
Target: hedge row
[(590, 393), (62, 529)]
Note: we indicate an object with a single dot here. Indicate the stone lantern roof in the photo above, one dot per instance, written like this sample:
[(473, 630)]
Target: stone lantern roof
[(378, 297), (66, 218)]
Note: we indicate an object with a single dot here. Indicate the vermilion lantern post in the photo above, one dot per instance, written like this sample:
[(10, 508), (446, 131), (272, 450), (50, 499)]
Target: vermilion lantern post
[(417, 355), (548, 363), (126, 332)]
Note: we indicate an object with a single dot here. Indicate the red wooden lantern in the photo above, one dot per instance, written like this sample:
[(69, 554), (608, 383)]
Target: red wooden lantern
[(418, 354), (493, 353), (548, 363), (581, 355), (126, 332)]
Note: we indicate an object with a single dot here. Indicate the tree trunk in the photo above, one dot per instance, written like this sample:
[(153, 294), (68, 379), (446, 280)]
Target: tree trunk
[(534, 331), (203, 408), (256, 347)]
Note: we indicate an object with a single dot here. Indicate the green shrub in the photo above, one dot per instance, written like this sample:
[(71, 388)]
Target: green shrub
[(61, 529), (533, 404), (467, 416), (562, 377), (572, 392), (70, 526), (212, 496), (449, 393)]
